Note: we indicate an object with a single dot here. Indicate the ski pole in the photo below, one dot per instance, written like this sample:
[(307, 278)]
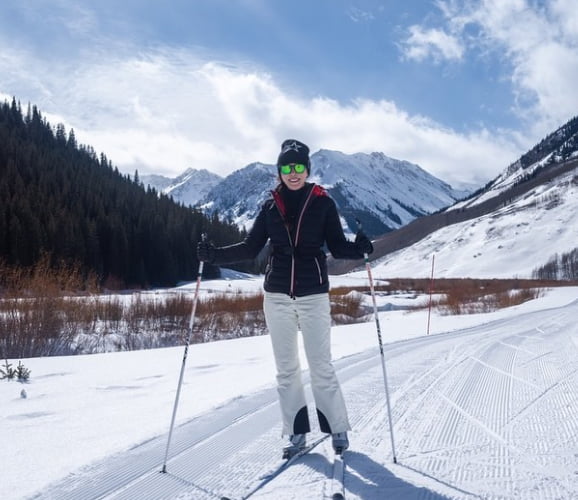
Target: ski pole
[(431, 283), (372, 289), (191, 322)]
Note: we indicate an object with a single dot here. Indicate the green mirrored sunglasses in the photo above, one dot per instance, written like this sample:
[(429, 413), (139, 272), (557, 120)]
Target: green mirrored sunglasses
[(298, 168)]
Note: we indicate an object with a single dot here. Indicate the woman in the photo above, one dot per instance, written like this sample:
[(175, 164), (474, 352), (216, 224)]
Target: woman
[(298, 220)]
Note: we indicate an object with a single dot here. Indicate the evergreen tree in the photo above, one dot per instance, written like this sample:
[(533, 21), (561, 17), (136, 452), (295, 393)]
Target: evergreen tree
[(62, 199)]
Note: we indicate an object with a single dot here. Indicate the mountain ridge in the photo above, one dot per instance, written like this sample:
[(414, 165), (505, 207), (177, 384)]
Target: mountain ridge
[(382, 192)]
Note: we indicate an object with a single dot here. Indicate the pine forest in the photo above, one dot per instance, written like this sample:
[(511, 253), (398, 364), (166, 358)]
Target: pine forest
[(61, 202)]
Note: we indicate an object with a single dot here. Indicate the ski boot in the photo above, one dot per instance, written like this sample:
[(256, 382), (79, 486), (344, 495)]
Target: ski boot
[(297, 442), (340, 442)]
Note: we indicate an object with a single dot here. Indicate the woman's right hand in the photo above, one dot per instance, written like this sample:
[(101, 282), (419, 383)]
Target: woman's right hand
[(363, 243)]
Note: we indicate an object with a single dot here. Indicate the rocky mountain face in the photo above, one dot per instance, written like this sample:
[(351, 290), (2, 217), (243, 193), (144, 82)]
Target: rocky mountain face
[(383, 193)]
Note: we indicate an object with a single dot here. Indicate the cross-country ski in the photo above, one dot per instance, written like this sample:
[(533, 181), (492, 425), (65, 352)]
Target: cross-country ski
[(337, 481), (276, 471)]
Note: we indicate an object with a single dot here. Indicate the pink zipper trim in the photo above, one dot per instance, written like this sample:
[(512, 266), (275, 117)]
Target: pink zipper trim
[(301, 216), (281, 208)]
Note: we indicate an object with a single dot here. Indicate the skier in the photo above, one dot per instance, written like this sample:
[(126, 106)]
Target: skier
[(298, 220)]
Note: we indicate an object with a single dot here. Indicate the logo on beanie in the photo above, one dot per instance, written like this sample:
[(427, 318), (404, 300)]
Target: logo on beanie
[(292, 146)]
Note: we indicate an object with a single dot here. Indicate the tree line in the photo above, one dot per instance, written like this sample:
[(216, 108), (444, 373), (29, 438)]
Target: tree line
[(559, 267), (61, 199), (563, 143)]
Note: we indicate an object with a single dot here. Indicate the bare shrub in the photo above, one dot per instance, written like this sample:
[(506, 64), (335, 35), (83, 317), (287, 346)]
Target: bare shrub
[(226, 302), (42, 320), (468, 296), (35, 327), (36, 318), (46, 279), (227, 315), (346, 306)]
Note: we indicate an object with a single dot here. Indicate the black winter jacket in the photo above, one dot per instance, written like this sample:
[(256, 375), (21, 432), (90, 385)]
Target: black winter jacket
[(297, 262)]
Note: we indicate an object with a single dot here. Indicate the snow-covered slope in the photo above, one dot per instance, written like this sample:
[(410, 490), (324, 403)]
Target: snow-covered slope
[(520, 222), (558, 147), (511, 241)]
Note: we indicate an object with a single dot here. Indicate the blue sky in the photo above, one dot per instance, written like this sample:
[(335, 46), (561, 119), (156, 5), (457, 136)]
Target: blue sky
[(460, 87)]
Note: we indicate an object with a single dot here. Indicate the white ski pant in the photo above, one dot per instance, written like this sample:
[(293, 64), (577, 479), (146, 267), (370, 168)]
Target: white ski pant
[(310, 314)]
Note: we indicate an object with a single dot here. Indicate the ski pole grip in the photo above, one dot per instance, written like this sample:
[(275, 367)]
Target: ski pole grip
[(203, 239), (365, 255)]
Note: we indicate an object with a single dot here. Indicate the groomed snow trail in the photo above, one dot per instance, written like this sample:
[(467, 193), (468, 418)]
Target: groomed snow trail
[(474, 413)]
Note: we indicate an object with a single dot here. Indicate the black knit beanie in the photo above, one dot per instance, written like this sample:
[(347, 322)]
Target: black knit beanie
[(293, 151)]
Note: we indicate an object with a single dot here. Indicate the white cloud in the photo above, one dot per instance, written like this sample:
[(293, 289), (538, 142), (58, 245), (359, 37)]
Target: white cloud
[(358, 15), (424, 43), (166, 111), (539, 41), (567, 14)]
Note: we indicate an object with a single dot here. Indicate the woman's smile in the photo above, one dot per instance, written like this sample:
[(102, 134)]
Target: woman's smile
[(294, 181)]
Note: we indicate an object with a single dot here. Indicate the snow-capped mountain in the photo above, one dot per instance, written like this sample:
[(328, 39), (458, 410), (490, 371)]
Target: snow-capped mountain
[(188, 188), (159, 182), (238, 197), (522, 221), (381, 192)]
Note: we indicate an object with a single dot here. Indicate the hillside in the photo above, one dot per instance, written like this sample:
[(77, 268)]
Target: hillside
[(61, 200), (513, 240), (527, 211)]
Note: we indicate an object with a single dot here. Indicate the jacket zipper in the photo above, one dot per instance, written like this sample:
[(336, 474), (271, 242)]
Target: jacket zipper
[(294, 244), (292, 282), (301, 216)]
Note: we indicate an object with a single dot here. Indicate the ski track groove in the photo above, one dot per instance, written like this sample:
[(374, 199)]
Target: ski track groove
[(480, 390), (500, 378)]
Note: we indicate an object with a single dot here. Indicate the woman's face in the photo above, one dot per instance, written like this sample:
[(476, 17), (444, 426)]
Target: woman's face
[(293, 180)]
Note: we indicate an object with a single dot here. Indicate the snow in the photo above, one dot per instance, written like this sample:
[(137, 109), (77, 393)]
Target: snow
[(486, 406), (510, 242)]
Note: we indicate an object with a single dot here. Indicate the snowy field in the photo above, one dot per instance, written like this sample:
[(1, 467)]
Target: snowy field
[(486, 406)]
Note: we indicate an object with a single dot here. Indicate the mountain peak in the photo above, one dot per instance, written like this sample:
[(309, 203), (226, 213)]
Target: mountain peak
[(384, 193), (188, 188)]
